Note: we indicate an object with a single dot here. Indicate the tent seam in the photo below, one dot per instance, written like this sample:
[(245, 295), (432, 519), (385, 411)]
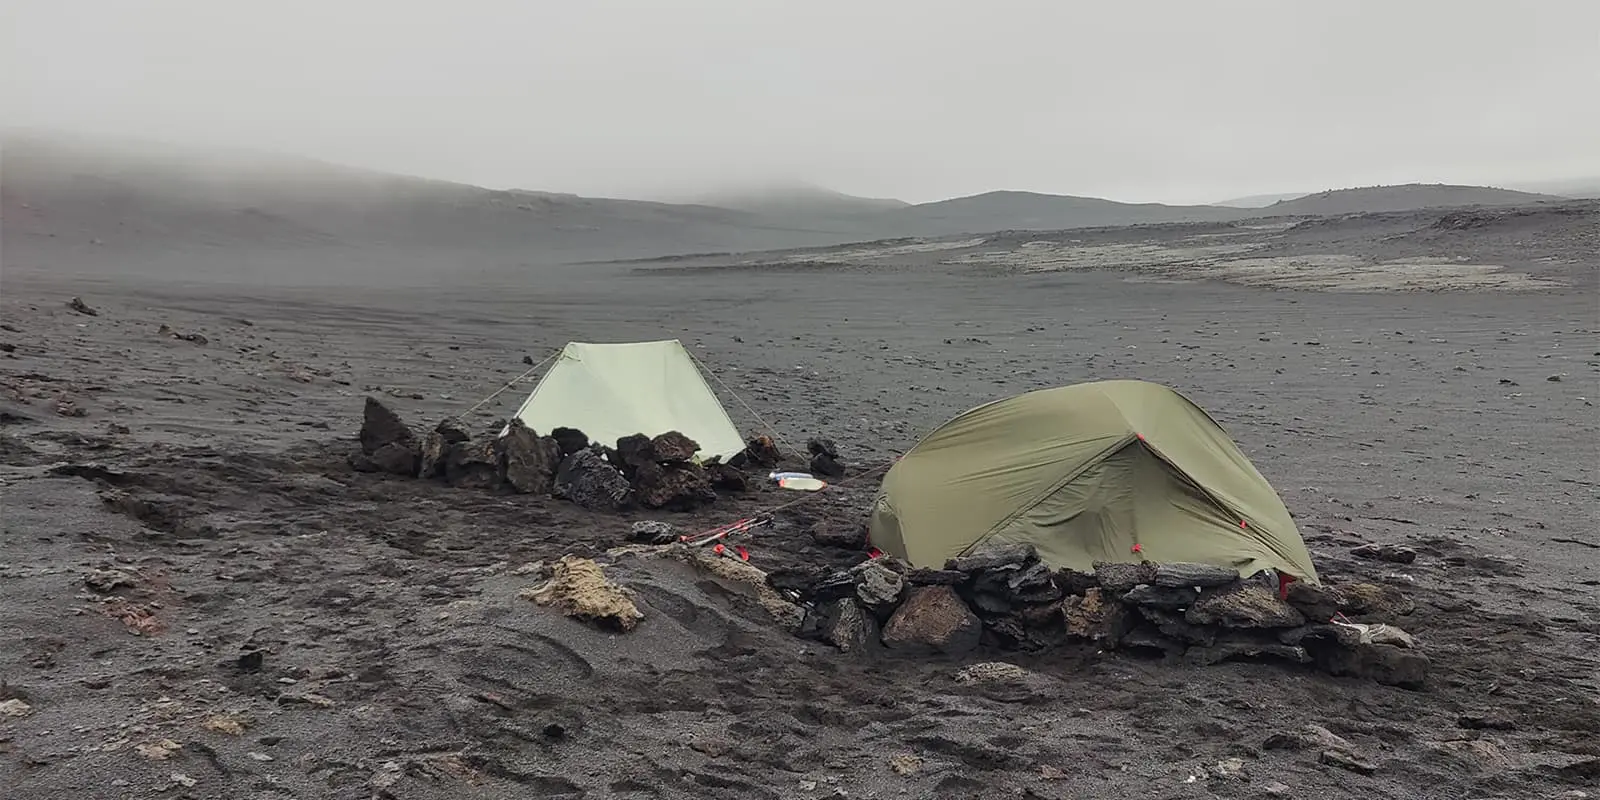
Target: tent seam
[(1050, 490)]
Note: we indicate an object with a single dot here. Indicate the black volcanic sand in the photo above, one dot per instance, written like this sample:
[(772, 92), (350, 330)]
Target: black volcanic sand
[(398, 661)]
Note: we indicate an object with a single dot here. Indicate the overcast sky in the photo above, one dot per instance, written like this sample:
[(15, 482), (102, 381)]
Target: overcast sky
[(1175, 101)]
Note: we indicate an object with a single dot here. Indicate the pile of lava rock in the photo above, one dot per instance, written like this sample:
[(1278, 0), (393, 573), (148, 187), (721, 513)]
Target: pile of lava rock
[(1007, 599), (657, 472)]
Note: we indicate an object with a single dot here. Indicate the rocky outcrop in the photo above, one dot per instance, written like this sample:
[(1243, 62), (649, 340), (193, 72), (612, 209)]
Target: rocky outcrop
[(589, 482), (933, 619)]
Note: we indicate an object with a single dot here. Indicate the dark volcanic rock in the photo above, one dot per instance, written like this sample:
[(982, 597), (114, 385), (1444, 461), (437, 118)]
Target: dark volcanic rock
[(571, 440), (1173, 625), (922, 576), (1383, 603), (1073, 582), (726, 477), (474, 465), (528, 459), (843, 535), (651, 531), (588, 481), (1321, 635), (673, 446), (381, 427), (632, 451), (1193, 575), (1238, 646), (436, 447), (1392, 553), (396, 459), (991, 557), (846, 625), (1318, 603), (1119, 579), (77, 304), (758, 452), (878, 588), (933, 618), (674, 487), (1169, 597), (1384, 663), (819, 446), (800, 579), (1243, 605), (826, 466)]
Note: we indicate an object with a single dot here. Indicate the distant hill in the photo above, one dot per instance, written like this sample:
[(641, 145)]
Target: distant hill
[(1577, 188), (1006, 210), (1404, 197), (798, 199), (1258, 200), (89, 201)]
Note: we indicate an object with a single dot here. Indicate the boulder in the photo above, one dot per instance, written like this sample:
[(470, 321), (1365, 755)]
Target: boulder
[(381, 427), (1243, 605), (1095, 616), (578, 588), (1392, 553), (1119, 578), (1169, 597), (473, 465), (758, 452), (529, 460), (571, 440), (826, 466), (726, 478), (819, 446), (588, 481), (1384, 663), (1319, 603), (933, 619), (673, 447), (844, 624), (673, 486), (1382, 603), (878, 587), (631, 451), (843, 535), (649, 531), (436, 447), (396, 459), (994, 556), (1186, 575)]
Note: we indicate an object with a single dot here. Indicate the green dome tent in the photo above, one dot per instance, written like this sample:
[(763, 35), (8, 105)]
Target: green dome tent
[(1119, 471)]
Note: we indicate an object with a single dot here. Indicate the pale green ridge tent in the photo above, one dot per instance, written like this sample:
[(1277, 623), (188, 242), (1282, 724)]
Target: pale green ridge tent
[(1084, 473), (613, 390)]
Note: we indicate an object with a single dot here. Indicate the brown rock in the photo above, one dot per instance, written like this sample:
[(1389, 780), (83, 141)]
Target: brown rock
[(673, 486), (1243, 605), (758, 452), (845, 625), (529, 460), (578, 588), (673, 446), (933, 618), (1073, 582), (1093, 616)]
